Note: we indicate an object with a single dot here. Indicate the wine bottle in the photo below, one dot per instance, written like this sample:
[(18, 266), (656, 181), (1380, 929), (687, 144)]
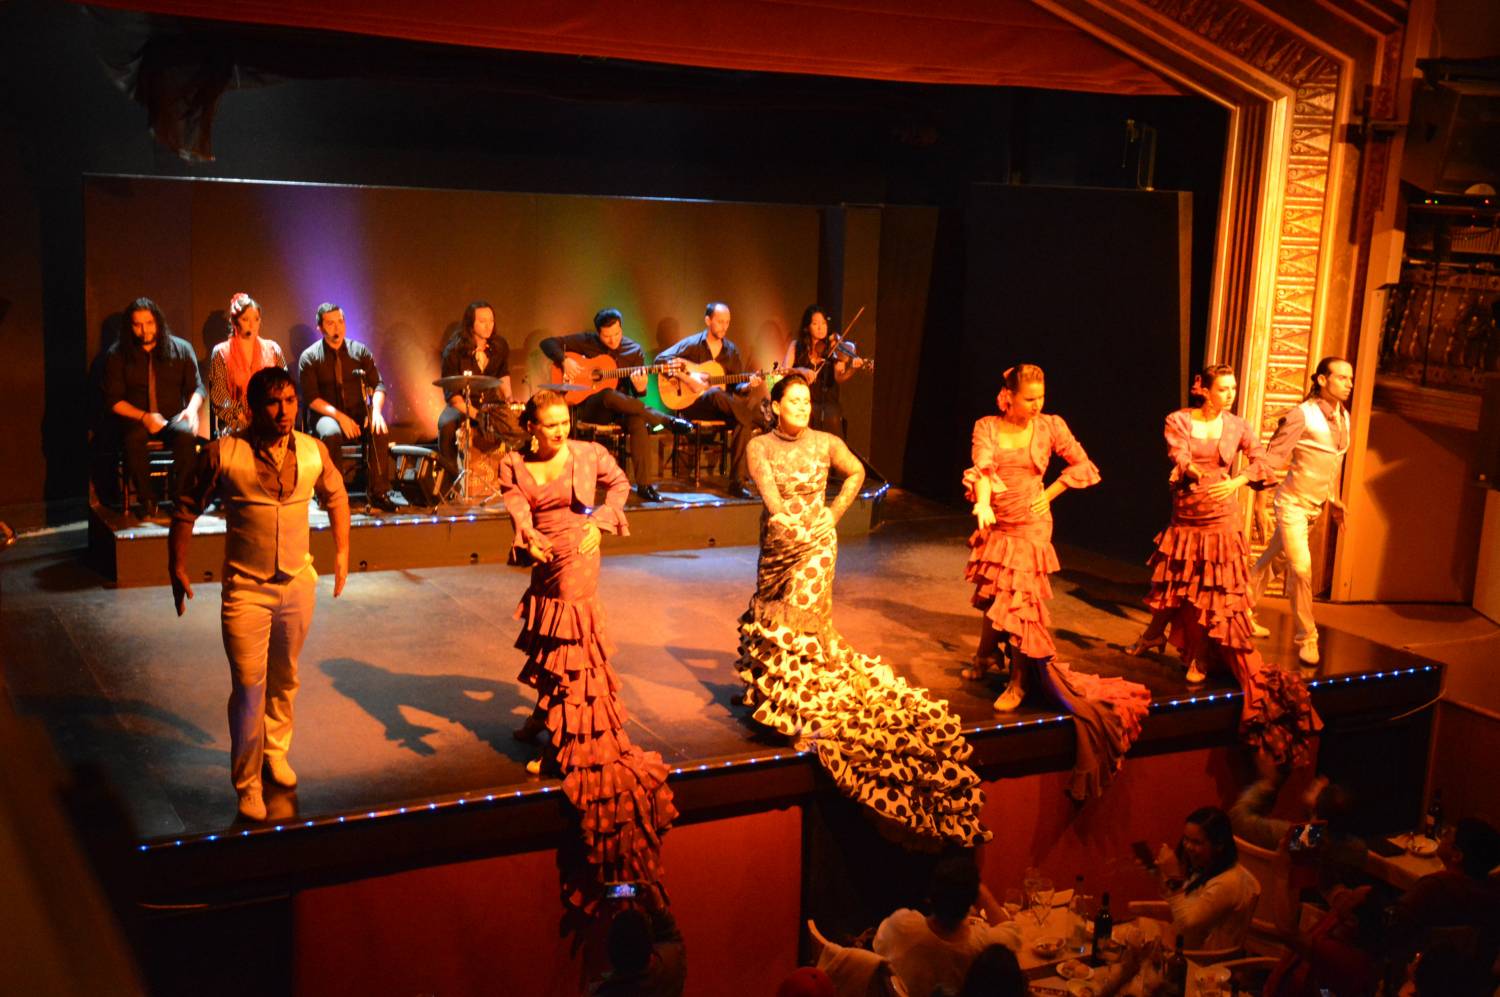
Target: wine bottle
[(1174, 976), (1432, 824), (1079, 907), (1104, 926)]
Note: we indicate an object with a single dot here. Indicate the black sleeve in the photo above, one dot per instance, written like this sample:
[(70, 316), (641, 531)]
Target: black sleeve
[(452, 364), (630, 354), (677, 350), (307, 377), (114, 377), (366, 359), (730, 359), (552, 348), (501, 356)]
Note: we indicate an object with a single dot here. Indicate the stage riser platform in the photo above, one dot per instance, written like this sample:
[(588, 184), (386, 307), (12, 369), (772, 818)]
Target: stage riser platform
[(1362, 717), (137, 555)]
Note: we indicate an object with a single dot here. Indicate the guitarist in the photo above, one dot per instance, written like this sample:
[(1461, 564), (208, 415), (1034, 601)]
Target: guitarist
[(712, 344), (621, 404)]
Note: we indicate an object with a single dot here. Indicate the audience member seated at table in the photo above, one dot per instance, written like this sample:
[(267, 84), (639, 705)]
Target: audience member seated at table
[(856, 972), (1211, 896), (1343, 853), (933, 950), (646, 954), (1448, 968), (1463, 895), (995, 973), (1338, 955)]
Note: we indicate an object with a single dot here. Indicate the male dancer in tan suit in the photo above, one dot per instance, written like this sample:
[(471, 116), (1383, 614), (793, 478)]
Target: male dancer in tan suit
[(264, 475), (1309, 445)]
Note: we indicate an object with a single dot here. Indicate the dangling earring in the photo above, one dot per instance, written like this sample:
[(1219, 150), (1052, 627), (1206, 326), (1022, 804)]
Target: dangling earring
[(533, 446)]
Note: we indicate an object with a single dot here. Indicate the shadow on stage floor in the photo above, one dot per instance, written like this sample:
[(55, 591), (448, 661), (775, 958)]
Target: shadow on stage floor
[(408, 680)]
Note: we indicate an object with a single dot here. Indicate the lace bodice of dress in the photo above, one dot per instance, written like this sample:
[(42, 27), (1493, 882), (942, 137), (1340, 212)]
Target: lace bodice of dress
[(799, 467)]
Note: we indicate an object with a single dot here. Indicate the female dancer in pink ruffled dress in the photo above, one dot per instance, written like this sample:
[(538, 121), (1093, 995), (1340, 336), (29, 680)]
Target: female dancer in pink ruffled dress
[(620, 791), (1010, 557), (1200, 570)]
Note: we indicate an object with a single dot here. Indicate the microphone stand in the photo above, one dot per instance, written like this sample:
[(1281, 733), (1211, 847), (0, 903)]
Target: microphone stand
[(366, 439)]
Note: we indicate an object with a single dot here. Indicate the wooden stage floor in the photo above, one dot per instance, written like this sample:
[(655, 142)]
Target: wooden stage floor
[(409, 688)]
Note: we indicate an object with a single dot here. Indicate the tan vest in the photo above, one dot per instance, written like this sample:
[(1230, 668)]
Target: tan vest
[(1313, 475), (265, 537)]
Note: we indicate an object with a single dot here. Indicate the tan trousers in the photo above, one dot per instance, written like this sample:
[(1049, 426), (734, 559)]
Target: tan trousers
[(264, 625), (1294, 519)]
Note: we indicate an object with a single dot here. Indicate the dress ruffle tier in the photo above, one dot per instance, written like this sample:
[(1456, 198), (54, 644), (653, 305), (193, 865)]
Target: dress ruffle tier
[(1201, 576), (1011, 586), (886, 743), (619, 791), (1107, 714)]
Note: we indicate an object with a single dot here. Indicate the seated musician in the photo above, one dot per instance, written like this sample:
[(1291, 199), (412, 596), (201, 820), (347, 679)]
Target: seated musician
[(621, 404), (149, 372), (333, 373), (809, 352), (475, 349), (233, 361), (735, 402)]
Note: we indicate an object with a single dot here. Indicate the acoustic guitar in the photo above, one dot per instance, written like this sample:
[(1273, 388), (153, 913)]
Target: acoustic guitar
[(599, 374), (680, 390)]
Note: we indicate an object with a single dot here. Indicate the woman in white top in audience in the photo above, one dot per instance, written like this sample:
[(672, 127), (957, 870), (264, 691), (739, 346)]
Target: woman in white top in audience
[(1211, 896)]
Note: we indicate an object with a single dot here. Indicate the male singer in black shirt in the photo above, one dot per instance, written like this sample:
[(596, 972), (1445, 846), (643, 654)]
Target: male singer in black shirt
[(152, 383), (333, 373), (621, 404), (733, 402)]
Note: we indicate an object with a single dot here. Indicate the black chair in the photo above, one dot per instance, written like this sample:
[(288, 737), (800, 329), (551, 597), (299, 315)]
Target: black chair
[(707, 434)]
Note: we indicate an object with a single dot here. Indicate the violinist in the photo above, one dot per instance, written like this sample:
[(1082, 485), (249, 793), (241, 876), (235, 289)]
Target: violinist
[(826, 363)]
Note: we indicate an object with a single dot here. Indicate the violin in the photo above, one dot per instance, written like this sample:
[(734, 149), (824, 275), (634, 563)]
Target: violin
[(840, 348)]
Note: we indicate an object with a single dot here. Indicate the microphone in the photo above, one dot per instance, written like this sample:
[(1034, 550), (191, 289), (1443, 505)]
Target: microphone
[(358, 372)]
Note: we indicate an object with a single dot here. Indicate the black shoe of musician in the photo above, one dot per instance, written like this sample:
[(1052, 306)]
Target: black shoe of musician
[(648, 493), (384, 502), (679, 426), (737, 489)]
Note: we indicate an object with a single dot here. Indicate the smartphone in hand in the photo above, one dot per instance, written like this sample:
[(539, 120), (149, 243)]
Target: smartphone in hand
[(1143, 854)]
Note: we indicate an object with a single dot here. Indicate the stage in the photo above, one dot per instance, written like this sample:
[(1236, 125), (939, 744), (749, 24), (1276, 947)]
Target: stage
[(128, 551), (408, 695)]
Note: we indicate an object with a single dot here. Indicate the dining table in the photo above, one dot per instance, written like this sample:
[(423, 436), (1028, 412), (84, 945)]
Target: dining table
[(1402, 868), (1043, 979)]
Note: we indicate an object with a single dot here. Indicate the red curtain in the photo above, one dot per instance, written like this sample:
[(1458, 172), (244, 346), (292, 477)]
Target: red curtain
[(983, 42)]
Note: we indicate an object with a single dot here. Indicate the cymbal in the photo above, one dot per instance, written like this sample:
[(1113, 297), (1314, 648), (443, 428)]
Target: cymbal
[(564, 387), (471, 382)]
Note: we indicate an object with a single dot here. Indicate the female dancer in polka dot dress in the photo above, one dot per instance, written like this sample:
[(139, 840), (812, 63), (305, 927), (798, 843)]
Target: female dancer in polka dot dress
[(1010, 557), (1200, 571), (886, 743)]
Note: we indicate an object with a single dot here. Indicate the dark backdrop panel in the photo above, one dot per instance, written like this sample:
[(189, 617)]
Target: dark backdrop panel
[(1091, 284)]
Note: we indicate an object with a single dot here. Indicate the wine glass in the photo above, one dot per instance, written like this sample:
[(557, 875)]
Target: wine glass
[(1013, 902), (1041, 899)]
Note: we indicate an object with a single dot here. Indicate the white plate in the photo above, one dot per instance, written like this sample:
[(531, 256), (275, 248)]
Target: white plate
[(1421, 846)]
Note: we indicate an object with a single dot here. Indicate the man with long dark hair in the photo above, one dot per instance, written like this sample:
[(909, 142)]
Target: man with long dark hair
[(153, 386), (474, 348), (1309, 446)]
